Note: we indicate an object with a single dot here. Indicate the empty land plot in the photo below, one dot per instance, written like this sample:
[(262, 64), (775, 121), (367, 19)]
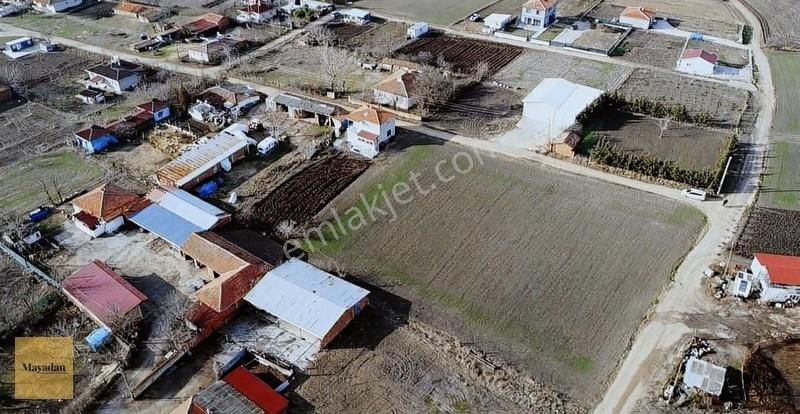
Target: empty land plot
[(651, 49), (780, 187), (26, 184), (689, 146), (725, 104), (574, 8), (599, 39), (443, 12), (780, 20), (511, 256), (770, 230), (31, 129), (526, 71), (480, 111), (785, 66), (464, 54), (606, 12), (380, 41), (704, 16)]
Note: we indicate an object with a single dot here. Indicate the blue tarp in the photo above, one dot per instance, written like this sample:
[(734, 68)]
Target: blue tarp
[(98, 338), (208, 189), (165, 224), (103, 143)]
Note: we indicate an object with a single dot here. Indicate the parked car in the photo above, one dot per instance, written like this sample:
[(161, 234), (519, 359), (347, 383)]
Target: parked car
[(694, 194)]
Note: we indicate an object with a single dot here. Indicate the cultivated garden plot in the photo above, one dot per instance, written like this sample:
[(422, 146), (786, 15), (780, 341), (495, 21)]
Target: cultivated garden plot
[(480, 111), (526, 71), (548, 270), (770, 230), (650, 49), (725, 104), (462, 53), (688, 146)]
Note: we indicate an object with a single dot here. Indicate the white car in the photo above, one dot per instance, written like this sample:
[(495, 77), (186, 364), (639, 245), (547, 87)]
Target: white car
[(694, 194)]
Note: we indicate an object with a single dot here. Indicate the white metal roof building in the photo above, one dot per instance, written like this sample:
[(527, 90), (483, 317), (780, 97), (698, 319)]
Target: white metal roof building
[(552, 106), (204, 160), (318, 304), (704, 376), (497, 21)]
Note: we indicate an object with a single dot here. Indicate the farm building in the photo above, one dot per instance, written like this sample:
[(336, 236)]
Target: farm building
[(368, 130), (552, 106), (496, 21), (638, 17), (207, 158), (704, 376), (302, 108), (95, 139), (256, 13), (103, 294), (55, 6), (104, 209), (396, 91), (214, 51), (145, 13), (311, 303), (538, 14), (232, 270), (240, 392), (157, 110), (565, 144), (116, 76), (416, 30), (356, 16), (320, 6), (10, 9), (698, 62), (777, 277), (175, 214), (207, 25), (91, 96), (20, 47), (217, 103)]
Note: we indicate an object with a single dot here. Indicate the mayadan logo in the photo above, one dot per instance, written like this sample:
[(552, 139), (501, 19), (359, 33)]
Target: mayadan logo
[(43, 368)]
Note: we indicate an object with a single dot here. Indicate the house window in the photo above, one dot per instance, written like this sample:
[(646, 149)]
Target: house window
[(389, 133), (537, 22)]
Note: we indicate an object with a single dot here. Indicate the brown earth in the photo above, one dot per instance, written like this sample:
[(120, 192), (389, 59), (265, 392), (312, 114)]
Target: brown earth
[(550, 271), (651, 49), (689, 146), (464, 54)]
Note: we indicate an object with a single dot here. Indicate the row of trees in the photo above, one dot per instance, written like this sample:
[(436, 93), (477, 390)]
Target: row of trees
[(608, 154), (644, 106)]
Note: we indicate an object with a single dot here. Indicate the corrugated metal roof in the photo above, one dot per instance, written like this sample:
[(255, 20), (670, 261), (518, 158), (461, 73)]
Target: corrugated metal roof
[(195, 162), (103, 292), (561, 94), (704, 376), (191, 208), (165, 224), (305, 296), (304, 104)]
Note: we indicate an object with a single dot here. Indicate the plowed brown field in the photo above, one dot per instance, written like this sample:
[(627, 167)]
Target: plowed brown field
[(550, 271)]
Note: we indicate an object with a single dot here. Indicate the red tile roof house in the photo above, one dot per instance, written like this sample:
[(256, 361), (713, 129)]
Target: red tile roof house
[(95, 139), (142, 117), (368, 130), (698, 62), (778, 277), (104, 209), (207, 25), (638, 17), (240, 392), (396, 91), (103, 294)]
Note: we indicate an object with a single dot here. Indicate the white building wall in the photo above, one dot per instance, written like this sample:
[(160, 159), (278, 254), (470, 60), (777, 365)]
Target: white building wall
[(388, 99), (537, 18), (113, 225), (637, 23), (697, 66)]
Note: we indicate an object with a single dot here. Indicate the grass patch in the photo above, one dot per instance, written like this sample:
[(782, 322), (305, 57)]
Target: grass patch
[(781, 183), (23, 189), (588, 141), (550, 34), (785, 66)]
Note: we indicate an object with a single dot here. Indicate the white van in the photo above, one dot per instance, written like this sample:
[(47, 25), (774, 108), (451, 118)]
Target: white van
[(267, 145), (694, 194)]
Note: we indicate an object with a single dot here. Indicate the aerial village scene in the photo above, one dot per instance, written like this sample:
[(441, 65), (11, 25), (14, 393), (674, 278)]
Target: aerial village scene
[(400, 206)]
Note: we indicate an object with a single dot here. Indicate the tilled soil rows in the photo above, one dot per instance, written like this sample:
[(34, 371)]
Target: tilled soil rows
[(463, 54), (303, 195), (770, 230)]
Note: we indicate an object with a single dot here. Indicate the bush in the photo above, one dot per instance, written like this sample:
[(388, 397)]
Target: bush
[(747, 34), (657, 109)]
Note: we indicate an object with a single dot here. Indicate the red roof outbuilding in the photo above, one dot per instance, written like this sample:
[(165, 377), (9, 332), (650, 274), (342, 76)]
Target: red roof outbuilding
[(257, 391), (783, 270), (102, 292), (702, 54)]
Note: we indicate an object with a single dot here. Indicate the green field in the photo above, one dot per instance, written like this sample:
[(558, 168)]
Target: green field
[(63, 172), (781, 183), (786, 79)]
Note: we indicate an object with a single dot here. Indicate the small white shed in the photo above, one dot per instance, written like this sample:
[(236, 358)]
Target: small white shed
[(417, 30), (496, 21), (356, 16)]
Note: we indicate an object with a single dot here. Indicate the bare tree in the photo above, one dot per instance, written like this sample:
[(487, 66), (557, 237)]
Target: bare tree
[(663, 125), (482, 71), (286, 229), (432, 87), (336, 62), (274, 120), (320, 35)]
